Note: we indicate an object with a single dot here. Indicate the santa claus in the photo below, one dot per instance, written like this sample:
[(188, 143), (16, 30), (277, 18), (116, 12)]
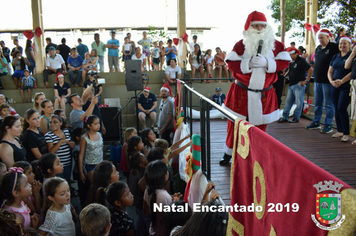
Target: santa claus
[(254, 62)]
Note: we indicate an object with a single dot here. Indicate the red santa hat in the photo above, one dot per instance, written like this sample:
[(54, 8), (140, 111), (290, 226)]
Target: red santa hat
[(325, 32), (59, 75), (346, 38), (293, 50), (255, 17), (147, 89), (167, 88)]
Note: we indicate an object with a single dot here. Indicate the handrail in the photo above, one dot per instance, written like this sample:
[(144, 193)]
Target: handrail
[(225, 112), (205, 105)]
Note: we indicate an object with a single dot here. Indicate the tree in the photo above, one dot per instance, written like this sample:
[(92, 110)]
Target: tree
[(344, 17), (328, 17), (156, 35), (295, 16)]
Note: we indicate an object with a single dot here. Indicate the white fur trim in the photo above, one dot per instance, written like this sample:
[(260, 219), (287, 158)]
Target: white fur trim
[(291, 52), (255, 115), (164, 88), (324, 33), (258, 77), (258, 22), (254, 104), (233, 112), (271, 117), (232, 56), (228, 150), (284, 56), (271, 65), (254, 107), (245, 67), (346, 39)]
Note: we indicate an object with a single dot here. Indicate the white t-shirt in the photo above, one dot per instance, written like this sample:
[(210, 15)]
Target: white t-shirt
[(59, 223), (155, 52), (56, 62), (210, 60), (127, 47), (173, 71), (191, 46), (141, 58)]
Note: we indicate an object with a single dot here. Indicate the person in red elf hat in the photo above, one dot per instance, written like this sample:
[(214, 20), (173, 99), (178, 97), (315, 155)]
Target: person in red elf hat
[(254, 62), (62, 91), (322, 87), (147, 103), (339, 78), (165, 119), (297, 84)]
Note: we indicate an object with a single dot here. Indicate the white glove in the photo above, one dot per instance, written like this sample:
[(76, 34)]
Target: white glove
[(258, 61)]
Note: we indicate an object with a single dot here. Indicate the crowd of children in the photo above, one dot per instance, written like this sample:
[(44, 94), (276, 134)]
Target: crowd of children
[(36, 201), (155, 55)]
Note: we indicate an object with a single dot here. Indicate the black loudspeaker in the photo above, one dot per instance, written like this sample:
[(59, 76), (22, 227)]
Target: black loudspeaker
[(112, 127), (133, 76)]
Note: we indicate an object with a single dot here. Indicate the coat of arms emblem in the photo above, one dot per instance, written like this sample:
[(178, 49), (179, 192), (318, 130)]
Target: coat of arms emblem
[(328, 206)]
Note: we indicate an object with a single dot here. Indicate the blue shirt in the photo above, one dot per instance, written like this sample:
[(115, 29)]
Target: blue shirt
[(113, 52), (219, 99), (82, 49), (337, 63), (297, 70), (28, 81), (322, 60), (62, 90), (170, 55), (75, 62), (147, 103)]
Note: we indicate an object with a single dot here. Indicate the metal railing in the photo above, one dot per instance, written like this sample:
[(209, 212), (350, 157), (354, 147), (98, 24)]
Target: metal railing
[(205, 105)]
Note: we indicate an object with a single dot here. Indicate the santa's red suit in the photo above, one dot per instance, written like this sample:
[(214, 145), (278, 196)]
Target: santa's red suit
[(259, 108)]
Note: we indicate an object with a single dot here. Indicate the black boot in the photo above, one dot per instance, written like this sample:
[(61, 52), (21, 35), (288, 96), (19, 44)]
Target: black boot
[(225, 160)]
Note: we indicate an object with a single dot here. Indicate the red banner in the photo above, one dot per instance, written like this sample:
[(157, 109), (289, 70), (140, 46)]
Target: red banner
[(275, 191)]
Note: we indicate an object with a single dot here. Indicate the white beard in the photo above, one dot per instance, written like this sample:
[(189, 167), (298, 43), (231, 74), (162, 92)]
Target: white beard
[(252, 38)]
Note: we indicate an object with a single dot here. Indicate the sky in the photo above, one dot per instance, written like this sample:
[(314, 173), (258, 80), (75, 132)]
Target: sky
[(227, 15)]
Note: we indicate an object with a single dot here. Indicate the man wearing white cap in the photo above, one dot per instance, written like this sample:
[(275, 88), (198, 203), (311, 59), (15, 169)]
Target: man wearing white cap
[(55, 64), (147, 103), (322, 87), (297, 84), (166, 114), (254, 62)]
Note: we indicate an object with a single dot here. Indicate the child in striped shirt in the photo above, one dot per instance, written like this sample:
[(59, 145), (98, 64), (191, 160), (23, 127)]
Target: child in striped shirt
[(27, 83)]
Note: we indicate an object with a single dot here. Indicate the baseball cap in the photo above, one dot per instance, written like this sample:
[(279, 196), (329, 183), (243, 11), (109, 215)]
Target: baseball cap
[(217, 89), (195, 37), (112, 32), (51, 48)]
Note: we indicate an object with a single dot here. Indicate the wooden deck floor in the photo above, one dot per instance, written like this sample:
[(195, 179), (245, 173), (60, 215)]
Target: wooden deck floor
[(331, 154)]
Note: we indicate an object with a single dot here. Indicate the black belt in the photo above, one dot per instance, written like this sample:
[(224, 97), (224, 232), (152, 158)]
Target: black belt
[(238, 83)]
